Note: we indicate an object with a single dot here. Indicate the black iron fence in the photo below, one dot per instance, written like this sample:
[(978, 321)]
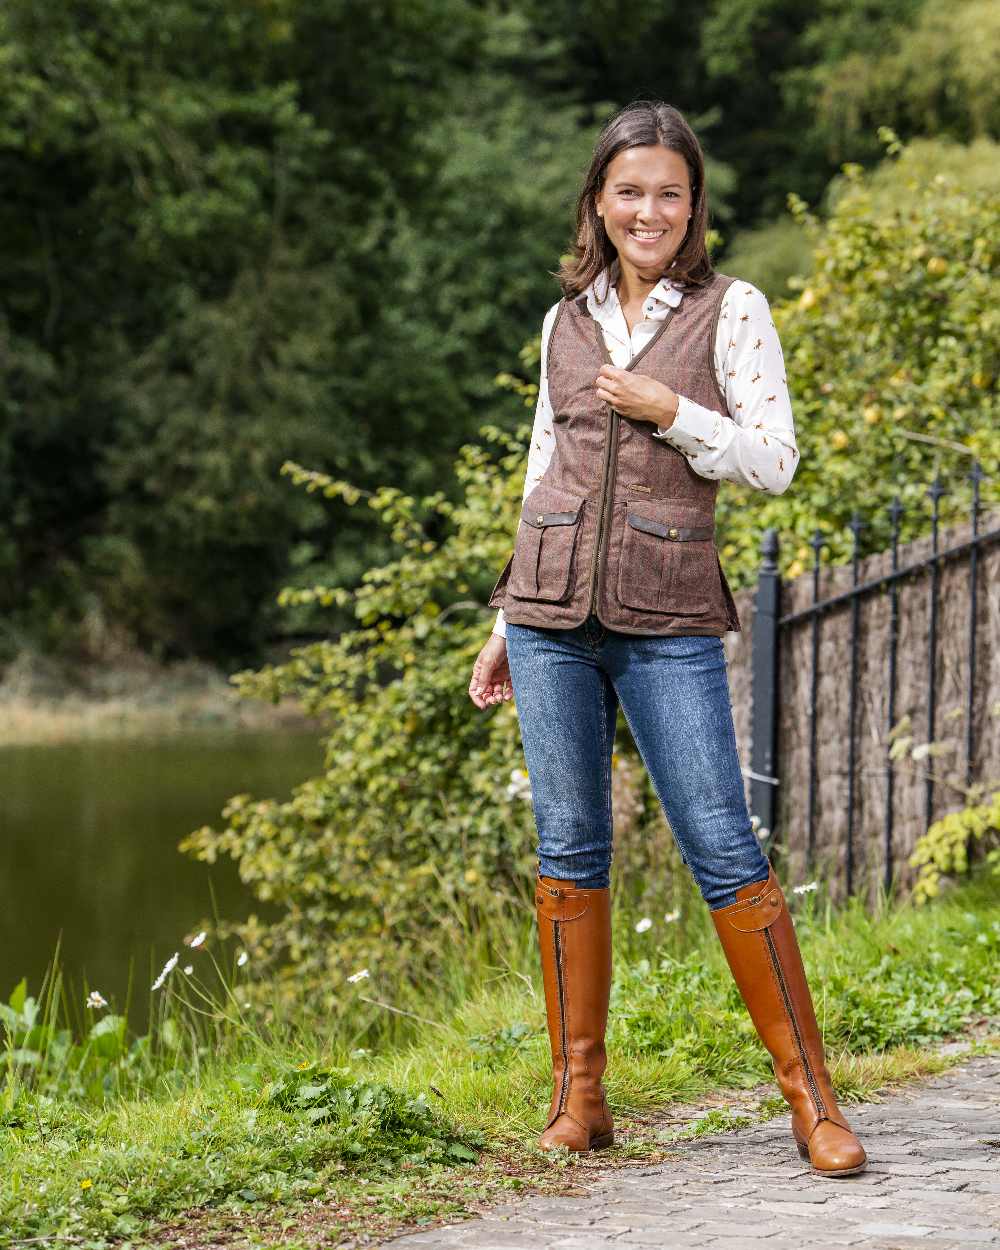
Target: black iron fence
[(771, 626)]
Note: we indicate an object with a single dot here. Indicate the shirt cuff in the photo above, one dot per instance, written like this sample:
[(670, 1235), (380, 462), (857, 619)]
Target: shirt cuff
[(694, 428), (499, 625)]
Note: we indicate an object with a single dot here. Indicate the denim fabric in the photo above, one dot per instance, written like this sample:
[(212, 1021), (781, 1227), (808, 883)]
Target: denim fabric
[(674, 693)]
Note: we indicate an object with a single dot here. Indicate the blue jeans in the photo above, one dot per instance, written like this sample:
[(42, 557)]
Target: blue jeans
[(674, 692)]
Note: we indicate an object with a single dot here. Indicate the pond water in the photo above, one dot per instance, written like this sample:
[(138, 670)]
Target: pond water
[(89, 850)]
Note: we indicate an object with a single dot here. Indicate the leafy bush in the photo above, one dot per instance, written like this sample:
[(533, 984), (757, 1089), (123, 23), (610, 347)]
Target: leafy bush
[(946, 846), (413, 833), (38, 1053), (891, 356), (376, 1121)]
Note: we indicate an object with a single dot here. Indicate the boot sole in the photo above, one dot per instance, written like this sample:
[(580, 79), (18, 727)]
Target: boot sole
[(599, 1143), (833, 1172)]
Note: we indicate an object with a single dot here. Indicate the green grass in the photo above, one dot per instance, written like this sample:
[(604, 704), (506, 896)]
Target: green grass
[(293, 1127)]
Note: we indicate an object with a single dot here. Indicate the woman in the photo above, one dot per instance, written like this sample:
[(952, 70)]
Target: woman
[(659, 377)]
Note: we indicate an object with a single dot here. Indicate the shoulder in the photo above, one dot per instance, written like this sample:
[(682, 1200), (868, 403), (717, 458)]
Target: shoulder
[(744, 295), (549, 321), (744, 315), (550, 316)]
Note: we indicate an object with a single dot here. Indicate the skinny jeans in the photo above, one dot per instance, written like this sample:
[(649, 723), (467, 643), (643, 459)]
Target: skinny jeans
[(674, 693)]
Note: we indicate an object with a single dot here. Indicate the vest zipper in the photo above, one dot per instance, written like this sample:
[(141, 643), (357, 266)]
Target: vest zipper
[(610, 454), (557, 946), (610, 448), (779, 973)]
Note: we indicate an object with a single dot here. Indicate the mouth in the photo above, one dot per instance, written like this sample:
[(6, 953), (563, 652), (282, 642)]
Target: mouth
[(645, 236)]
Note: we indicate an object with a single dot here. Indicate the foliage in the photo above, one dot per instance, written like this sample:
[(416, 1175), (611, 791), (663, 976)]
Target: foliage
[(251, 243), (769, 256), (945, 848), (274, 1133), (932, 75), (99, 1065), (411, 830), (377, 1122), (891, 356), (245, 233)]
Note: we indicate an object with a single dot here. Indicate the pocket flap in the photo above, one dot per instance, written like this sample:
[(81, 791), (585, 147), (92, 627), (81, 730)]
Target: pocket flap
[(540, 519), (547, 505), (672, 526)]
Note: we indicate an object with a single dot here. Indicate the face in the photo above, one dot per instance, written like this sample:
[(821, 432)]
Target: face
[(645, 204)]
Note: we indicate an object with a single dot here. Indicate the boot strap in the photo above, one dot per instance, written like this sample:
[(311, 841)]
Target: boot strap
[(560, 904), (759, 912)]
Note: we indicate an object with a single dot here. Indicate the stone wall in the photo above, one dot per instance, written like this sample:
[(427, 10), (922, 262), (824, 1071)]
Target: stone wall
[(871, 726)]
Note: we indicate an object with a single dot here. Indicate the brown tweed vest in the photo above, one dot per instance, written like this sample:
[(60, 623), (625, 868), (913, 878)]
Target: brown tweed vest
[(619, 524)]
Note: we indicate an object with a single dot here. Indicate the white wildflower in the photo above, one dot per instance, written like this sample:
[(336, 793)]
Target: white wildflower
[(168, 967), (763, 832), (644, 924), (188, 969), (198, 939), (96, 999), (520, 786), (358, 976), (671, 916), (241, 959), (805, 889)]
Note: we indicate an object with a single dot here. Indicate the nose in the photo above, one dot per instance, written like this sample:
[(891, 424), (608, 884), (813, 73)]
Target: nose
[(646, 209)]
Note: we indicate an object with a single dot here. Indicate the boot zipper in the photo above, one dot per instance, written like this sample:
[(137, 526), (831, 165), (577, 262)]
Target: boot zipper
[(806, 1066), (557, 944)]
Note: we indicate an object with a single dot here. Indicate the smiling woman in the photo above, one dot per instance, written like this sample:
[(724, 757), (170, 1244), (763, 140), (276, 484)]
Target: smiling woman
[(659, 377)]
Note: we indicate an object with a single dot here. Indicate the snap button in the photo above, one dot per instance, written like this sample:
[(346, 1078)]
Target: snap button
[(540, 518), (672, 532)]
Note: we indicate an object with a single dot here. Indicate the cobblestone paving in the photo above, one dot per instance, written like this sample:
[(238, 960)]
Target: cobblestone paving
[(933, 1181)]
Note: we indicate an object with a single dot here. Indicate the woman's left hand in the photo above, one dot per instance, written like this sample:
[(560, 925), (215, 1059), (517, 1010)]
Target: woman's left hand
[(637, 396)]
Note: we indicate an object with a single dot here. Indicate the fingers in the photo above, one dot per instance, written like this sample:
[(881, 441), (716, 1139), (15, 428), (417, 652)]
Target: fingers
[(487, 694)]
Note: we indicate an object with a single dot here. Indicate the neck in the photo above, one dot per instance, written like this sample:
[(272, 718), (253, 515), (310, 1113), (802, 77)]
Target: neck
[(633, 284)]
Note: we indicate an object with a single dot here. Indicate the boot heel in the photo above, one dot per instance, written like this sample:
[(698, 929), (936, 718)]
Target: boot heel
[(604, 1141)]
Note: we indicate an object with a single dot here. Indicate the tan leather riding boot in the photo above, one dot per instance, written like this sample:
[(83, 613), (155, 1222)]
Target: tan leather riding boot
[(574, 934), (759, 940)]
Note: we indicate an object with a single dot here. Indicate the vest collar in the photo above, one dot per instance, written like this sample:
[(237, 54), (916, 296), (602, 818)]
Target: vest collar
[(601, 299)]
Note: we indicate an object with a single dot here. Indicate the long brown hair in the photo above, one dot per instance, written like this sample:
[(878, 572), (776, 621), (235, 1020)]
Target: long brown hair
[(640, 122)]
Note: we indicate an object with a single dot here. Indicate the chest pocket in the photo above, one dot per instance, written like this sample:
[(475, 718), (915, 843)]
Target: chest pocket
[(543, 562), (668, 559)]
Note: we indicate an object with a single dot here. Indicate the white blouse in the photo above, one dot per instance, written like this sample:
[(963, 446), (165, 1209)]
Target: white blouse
[(754, 446)]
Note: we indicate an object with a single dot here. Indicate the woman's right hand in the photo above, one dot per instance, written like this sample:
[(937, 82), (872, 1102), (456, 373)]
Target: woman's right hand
[(491, 674)]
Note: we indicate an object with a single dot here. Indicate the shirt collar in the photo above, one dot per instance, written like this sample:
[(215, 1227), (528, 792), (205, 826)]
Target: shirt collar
[(602, 296)]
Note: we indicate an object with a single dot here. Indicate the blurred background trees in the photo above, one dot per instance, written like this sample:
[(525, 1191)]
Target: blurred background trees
[(238, 233)]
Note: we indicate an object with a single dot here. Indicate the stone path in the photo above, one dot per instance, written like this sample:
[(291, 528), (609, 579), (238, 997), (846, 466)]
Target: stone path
[(933, 1181)]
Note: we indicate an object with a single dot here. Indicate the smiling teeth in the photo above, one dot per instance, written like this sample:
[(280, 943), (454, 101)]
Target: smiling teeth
[(646, 234)]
